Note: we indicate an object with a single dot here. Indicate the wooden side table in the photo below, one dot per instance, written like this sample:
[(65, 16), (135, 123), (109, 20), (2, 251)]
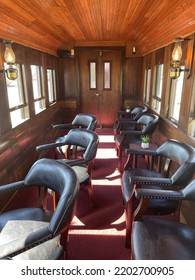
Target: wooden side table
[(132, 158)]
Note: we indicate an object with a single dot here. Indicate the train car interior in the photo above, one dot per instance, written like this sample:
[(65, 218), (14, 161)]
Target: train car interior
[(97, 129)]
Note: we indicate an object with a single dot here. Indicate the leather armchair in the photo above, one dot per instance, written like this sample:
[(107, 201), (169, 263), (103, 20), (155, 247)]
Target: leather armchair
[(36, 233), (81, 120), (174, 168), (122, 121), (156, 238), (145, 125), (82, 165)]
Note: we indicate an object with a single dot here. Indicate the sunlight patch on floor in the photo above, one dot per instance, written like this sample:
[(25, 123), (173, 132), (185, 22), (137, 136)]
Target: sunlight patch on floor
[(108, 231), (106, 138), (104, 182), (106, 153), (113, 229)]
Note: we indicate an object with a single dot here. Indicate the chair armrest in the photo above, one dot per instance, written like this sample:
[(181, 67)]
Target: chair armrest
[(59, 126), (132, 132), (49, 146), (11, 187), (158, 194), (141, 151), (73, 162), (150, 181)]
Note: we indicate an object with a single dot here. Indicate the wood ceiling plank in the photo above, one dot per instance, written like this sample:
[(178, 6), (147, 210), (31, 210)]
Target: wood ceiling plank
[(52, 24)]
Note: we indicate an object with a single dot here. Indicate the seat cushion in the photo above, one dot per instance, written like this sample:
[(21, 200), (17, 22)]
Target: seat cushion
[(155, 238), (34, 214), (155, 206), (82, 173), (18, 224)]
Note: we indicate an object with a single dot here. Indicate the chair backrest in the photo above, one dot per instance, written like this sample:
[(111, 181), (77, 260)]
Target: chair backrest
[(149, 122), (86, 139), (138, 111), (86, 121), (60, 178), (181, 154)]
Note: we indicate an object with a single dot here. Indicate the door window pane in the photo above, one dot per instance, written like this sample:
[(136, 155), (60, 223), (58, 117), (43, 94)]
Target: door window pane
[(107, 75), (92, 75)]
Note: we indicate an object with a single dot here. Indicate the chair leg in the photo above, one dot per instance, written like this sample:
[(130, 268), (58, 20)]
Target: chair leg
[(91, 194), (64, 240), (129, 221)]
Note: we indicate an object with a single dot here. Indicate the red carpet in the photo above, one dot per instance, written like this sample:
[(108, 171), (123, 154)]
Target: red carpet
[(99, 233)]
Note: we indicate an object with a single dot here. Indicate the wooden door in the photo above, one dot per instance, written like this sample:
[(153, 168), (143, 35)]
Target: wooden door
[(100, 73)]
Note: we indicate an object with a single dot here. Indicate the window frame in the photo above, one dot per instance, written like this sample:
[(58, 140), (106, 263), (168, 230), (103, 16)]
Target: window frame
[(22, 96), (173, 97), (41, 96), (147, 84), (109, 62), (51, 83), (90, 75), (157, 98)]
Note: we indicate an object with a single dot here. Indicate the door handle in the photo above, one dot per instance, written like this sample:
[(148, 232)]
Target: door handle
[(98, 93)]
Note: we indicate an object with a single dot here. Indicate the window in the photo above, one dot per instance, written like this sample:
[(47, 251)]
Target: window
[(147, 85), (158, 87), (51, 85), (39, 99), (19, 111), (107, 75), (175, 98), (92, 75)]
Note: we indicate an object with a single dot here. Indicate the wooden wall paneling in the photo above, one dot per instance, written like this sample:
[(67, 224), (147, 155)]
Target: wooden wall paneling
[(68, 88), (20, 52), (152, 83), (143, 79), (132, 80), (67, 79), (5, 123), (159, 56), (166, 82), (18, 153), (44, 78)]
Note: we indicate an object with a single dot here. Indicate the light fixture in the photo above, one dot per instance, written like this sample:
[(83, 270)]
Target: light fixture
[(175, 69), (133, 50), (9, 56)]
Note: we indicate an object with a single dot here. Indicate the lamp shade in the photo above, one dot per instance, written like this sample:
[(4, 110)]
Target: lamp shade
[(9, 55), (177, 51)]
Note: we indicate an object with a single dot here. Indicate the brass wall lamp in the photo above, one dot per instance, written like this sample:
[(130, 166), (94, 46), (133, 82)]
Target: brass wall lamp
[(176, 69), (9, 57)]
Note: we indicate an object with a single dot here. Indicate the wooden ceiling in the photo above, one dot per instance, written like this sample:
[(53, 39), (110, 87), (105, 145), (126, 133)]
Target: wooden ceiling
[(51, 24)]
